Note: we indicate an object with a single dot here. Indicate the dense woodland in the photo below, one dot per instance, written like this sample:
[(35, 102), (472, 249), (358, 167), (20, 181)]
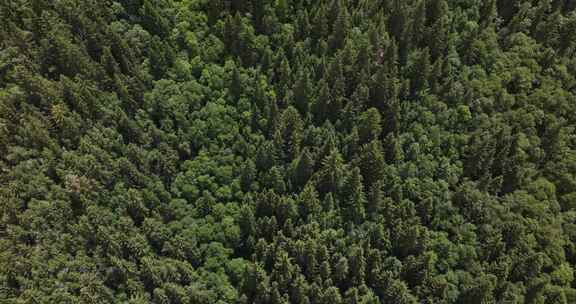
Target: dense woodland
[(288, 151)]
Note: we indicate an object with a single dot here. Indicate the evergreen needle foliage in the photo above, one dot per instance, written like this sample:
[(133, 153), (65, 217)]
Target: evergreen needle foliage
[(288, 151)]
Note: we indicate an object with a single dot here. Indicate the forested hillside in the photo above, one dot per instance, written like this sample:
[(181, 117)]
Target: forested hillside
[(288, 151)]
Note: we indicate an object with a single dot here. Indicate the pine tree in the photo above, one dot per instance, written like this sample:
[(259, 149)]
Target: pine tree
[(247, 224), (303, 92), (321, 107), (153, 21), (397, 292), (419, 24), (341, 272), (375, 199), (371, 163), (420, 72), (438, 31), (352, 296), (255, 283), (109, 62), (335, 78), (331, 296), (310, 206), (304, 27), (331, 175), (236, 84), (398, 25), (284, 78), (354, 198), (357, 263), (304, 168), (290, 133), (266, 156), (160, 57), (369, 125), (276, 297), (276, 180), (380, 94), (272, 118), (248, 175), (340, 28)]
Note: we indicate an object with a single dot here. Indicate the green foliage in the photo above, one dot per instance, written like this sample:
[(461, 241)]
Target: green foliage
[(327, 152)]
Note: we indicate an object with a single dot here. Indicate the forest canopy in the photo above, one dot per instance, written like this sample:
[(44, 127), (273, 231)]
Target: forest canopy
[(288, 151)]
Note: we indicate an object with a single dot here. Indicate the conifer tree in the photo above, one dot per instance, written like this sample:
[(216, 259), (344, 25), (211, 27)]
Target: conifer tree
[(354, 197), (303, 93), (370, 125), (304, 168), (372, 163), (340, 29)]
